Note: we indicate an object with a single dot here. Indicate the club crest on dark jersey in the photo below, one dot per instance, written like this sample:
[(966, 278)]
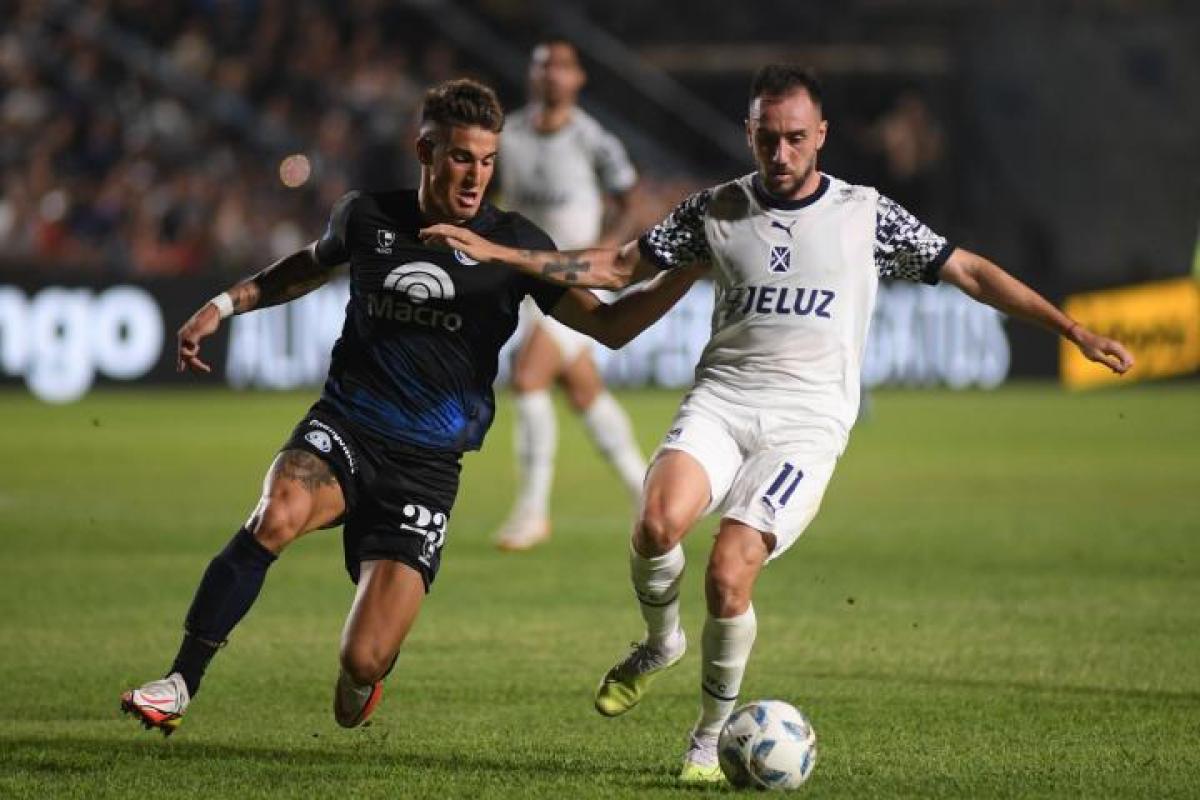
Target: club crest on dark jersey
[(386, 239)]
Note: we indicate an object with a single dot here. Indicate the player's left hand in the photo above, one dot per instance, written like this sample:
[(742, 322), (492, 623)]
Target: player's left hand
[(457, 238), (1102, 350)]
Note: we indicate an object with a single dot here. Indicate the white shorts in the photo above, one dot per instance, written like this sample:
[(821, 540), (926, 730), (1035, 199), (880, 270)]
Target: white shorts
[(570, 342), (762, 472)]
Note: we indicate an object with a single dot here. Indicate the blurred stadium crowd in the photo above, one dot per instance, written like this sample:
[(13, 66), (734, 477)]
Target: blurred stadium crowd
[(164, 160), (140, 137), (152, 138)]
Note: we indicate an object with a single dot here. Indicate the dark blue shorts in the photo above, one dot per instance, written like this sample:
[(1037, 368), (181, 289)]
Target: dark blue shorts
[(398, 497)]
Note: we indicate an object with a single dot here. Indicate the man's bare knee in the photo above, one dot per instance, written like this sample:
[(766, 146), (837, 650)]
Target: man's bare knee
[(300, 493), (580, 397), (658, 531), (676, 493), (277, 523), (525, 381), (582, 383)]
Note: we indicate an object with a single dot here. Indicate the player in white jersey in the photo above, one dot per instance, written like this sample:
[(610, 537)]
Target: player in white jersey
[(560, 168), (797, 257)]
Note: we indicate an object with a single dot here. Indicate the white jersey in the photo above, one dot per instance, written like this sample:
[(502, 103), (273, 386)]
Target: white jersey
[(558, 180), (795, 290)]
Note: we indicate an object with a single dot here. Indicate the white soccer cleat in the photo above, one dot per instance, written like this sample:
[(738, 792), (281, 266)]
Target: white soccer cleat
[(700, 763), (522, 532), (352, 703), (159, 704)]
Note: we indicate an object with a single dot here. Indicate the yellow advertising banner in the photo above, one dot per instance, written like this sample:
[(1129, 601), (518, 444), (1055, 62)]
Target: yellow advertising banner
[(1159, 322)]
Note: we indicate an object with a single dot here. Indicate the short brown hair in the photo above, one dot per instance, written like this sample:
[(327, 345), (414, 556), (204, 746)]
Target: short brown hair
[(777, 80), (463, 102)]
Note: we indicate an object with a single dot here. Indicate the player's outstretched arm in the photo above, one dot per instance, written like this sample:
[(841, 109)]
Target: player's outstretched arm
[(988, 283), (288, 278), (596, 268), (616, 324)]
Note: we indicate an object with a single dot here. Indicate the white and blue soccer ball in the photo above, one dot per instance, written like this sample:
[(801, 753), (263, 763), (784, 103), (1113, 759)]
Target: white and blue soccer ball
[(767, 744)]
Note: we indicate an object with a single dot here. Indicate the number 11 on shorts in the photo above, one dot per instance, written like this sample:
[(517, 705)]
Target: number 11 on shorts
[(783, 486)]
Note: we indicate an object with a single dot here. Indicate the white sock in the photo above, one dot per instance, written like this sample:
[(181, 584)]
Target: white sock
[(724, 650), (612, 432), (656, 583), (536, 439)]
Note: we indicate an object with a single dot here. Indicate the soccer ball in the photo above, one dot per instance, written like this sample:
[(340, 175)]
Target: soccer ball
[(767, 744)]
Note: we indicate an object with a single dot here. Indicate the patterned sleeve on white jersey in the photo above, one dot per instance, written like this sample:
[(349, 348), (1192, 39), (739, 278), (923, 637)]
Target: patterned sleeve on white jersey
[(905, 247), (679, 239), (613, 167)]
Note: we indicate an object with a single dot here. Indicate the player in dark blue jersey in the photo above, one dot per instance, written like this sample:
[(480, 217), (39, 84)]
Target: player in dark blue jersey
[(409, 390)]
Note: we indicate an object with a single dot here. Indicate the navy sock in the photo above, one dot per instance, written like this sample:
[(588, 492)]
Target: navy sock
[(226, 592)]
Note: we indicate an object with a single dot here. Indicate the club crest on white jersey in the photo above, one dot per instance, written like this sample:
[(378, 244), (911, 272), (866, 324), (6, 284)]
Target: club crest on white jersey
[(781, 258)]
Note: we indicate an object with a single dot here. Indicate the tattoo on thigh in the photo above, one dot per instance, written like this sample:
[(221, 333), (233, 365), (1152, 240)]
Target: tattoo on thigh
[(304, 468)]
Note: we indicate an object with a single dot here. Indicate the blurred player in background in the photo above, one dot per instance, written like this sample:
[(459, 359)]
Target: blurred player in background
[(562, 170), (409, 390), (796, 256)]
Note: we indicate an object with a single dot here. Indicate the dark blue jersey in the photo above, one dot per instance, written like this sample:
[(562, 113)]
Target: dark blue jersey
[(424, 327)]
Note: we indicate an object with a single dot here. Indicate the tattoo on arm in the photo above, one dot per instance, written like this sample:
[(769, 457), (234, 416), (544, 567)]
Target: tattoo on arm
[(304, 468), (288, 278), (569, 267), (245, 296)]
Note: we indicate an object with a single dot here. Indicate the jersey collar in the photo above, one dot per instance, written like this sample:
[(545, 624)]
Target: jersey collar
[(483, 218), (768, 200)]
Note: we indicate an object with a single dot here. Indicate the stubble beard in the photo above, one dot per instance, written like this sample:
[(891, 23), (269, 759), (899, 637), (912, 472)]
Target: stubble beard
[(804, 176), (797, 179)]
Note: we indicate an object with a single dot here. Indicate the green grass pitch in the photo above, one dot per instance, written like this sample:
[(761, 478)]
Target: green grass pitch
[(1000, 598)]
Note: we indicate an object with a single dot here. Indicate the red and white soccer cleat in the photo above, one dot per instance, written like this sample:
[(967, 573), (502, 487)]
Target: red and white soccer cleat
[(353, 704), (159, 704)]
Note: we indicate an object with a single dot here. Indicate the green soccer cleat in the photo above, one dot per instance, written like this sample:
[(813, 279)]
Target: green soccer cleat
[(623, 686), (700, 764), (700, 775)]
